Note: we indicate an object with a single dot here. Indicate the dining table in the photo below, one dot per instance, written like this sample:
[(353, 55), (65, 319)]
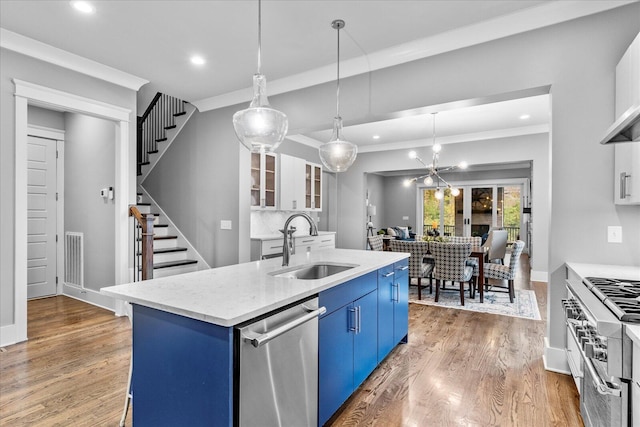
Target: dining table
[(481, 253)]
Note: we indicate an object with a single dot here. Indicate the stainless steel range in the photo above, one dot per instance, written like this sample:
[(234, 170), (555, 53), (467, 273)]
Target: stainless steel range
[(599, 352)]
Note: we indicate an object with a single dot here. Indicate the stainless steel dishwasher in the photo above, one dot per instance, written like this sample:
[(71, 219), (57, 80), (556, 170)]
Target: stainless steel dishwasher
[(278, 368)]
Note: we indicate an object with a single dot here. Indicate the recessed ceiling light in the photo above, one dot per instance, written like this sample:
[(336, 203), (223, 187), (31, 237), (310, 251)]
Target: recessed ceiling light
[(376, 136), (525, 117), (197, 60), (83, 6)]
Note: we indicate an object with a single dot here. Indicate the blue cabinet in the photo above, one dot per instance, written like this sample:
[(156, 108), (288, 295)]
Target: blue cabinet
[(347, 342), (393, 306)]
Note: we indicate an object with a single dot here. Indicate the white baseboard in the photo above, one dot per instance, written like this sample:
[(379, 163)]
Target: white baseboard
[(90, 296), (539, 276), (7, 335), (555, 359)]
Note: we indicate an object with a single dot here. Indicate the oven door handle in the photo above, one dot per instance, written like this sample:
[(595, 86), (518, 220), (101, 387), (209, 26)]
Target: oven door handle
[(601, 385)]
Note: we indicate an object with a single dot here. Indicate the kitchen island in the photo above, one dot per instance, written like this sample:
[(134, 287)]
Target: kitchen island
[(185, 354)]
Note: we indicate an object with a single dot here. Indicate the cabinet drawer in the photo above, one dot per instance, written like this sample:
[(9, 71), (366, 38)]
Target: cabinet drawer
[(386, 272), (270, 247), (341, 295), (401, 267)]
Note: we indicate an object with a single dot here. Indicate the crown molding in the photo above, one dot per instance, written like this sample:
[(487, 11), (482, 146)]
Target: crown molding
[(47, 53), (533, 18)]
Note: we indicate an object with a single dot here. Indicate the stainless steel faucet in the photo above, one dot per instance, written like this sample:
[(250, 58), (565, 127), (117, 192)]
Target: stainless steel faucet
[(286, 251)]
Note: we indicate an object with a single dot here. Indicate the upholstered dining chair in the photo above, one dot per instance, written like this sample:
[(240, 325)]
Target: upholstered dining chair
[(497, 244), (418, 268), (451, 265), (505, 272), (376, 243), (476, 241)]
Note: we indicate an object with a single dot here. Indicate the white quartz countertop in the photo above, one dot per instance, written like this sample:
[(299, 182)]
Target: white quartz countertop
[(602, 270), (279, 236), (230, 295)]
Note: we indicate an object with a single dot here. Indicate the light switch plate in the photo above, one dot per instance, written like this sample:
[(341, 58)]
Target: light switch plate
[(405, 218), (614, 234), (225, 224)]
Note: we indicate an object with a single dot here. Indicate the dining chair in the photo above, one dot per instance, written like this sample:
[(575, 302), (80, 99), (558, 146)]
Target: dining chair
[(476, 241), (497, 244), (505, 272), (450, 265), (418, 267), (376, 243)]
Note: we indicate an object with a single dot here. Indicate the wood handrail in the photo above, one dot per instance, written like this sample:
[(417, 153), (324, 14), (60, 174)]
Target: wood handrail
[(154, 101), (146, 223)]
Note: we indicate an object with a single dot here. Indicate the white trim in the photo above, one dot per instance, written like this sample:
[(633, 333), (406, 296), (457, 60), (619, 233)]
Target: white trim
[(29, 93), (539, 276), (45, 132), (47, 53), (549, 13), (58, 136), (47, 97), (555, 359), (7, 335), (89, 296)]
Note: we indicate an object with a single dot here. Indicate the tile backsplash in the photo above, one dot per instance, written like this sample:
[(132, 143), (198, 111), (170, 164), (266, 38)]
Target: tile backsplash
[(265, 223)]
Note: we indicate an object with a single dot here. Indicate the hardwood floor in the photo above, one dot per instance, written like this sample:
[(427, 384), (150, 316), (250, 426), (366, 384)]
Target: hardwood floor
[(459, 368)]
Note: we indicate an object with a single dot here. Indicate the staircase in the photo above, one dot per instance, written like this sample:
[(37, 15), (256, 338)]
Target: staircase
[(158, 127), (171, 254)]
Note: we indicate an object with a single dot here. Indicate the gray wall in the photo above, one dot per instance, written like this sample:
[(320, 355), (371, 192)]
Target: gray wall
[(14, 65), (90, 166), (375, 188), (45, 118)]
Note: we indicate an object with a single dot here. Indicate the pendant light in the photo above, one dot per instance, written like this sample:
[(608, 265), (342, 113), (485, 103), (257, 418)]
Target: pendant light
[(260, 127), (337, 155)]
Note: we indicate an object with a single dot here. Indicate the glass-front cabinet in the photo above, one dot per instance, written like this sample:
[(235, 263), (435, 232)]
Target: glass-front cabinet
[(263, 180), (300, 184)]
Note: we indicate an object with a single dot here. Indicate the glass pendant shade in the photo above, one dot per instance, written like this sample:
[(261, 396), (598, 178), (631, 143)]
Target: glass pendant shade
[(439, 194), (428, 181), (260, 127), (338, 155), (455, 192)]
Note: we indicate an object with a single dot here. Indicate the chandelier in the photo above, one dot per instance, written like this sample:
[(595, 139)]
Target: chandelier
[(433, 173)]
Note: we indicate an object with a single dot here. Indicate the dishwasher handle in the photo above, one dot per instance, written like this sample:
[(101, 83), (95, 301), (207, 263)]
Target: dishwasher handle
[(262, 339)]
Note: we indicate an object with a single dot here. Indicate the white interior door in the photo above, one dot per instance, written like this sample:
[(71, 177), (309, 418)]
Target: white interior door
[(41, 217)]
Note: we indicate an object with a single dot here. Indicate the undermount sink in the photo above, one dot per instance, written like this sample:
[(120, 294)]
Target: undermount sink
[(312, 271)]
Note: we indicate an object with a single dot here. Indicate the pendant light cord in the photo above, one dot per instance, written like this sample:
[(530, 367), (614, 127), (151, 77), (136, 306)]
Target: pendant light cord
[(259, 36), (338, 76)]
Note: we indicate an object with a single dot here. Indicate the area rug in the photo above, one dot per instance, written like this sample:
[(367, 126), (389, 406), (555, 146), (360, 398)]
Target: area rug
[(524, 305)]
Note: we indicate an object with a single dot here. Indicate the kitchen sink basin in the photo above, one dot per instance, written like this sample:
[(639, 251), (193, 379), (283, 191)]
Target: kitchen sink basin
[(312, 271)]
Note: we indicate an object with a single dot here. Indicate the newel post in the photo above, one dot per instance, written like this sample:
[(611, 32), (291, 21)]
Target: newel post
[(147, 247)]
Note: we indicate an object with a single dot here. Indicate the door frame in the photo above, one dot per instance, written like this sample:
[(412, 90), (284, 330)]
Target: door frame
[(58, 136), (26, 94), (467, 185)]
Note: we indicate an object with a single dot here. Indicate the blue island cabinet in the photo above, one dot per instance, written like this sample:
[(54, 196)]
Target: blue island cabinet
[(347, 341), (393, 306), (184, 370)]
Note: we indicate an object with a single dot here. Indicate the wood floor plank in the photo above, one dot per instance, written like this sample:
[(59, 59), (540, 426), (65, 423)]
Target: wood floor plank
[(459, 368)]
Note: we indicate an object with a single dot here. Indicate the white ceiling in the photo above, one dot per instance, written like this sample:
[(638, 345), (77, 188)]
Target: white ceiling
[(155, 39)]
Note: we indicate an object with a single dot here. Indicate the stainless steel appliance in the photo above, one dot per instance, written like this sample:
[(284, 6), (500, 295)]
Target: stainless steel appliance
[(599, 352), (278, 368)]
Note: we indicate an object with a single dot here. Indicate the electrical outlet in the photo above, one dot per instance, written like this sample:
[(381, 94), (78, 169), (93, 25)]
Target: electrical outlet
[(614, 234), (225, 224), (405, 218)]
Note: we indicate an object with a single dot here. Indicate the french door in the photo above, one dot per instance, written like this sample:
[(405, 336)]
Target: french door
[(475, 210)]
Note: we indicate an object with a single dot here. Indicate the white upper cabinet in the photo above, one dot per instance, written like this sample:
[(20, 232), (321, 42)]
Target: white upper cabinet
[(627, 154), (300, 184), (263, 181)]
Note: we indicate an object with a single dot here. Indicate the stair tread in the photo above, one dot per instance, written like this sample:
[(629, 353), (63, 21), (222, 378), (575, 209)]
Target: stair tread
[(143, 204), (170, 127), (152, 152), (164, 237), (161, 139), (167, 250), (182, 113), (174, 263), (160, 225)]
